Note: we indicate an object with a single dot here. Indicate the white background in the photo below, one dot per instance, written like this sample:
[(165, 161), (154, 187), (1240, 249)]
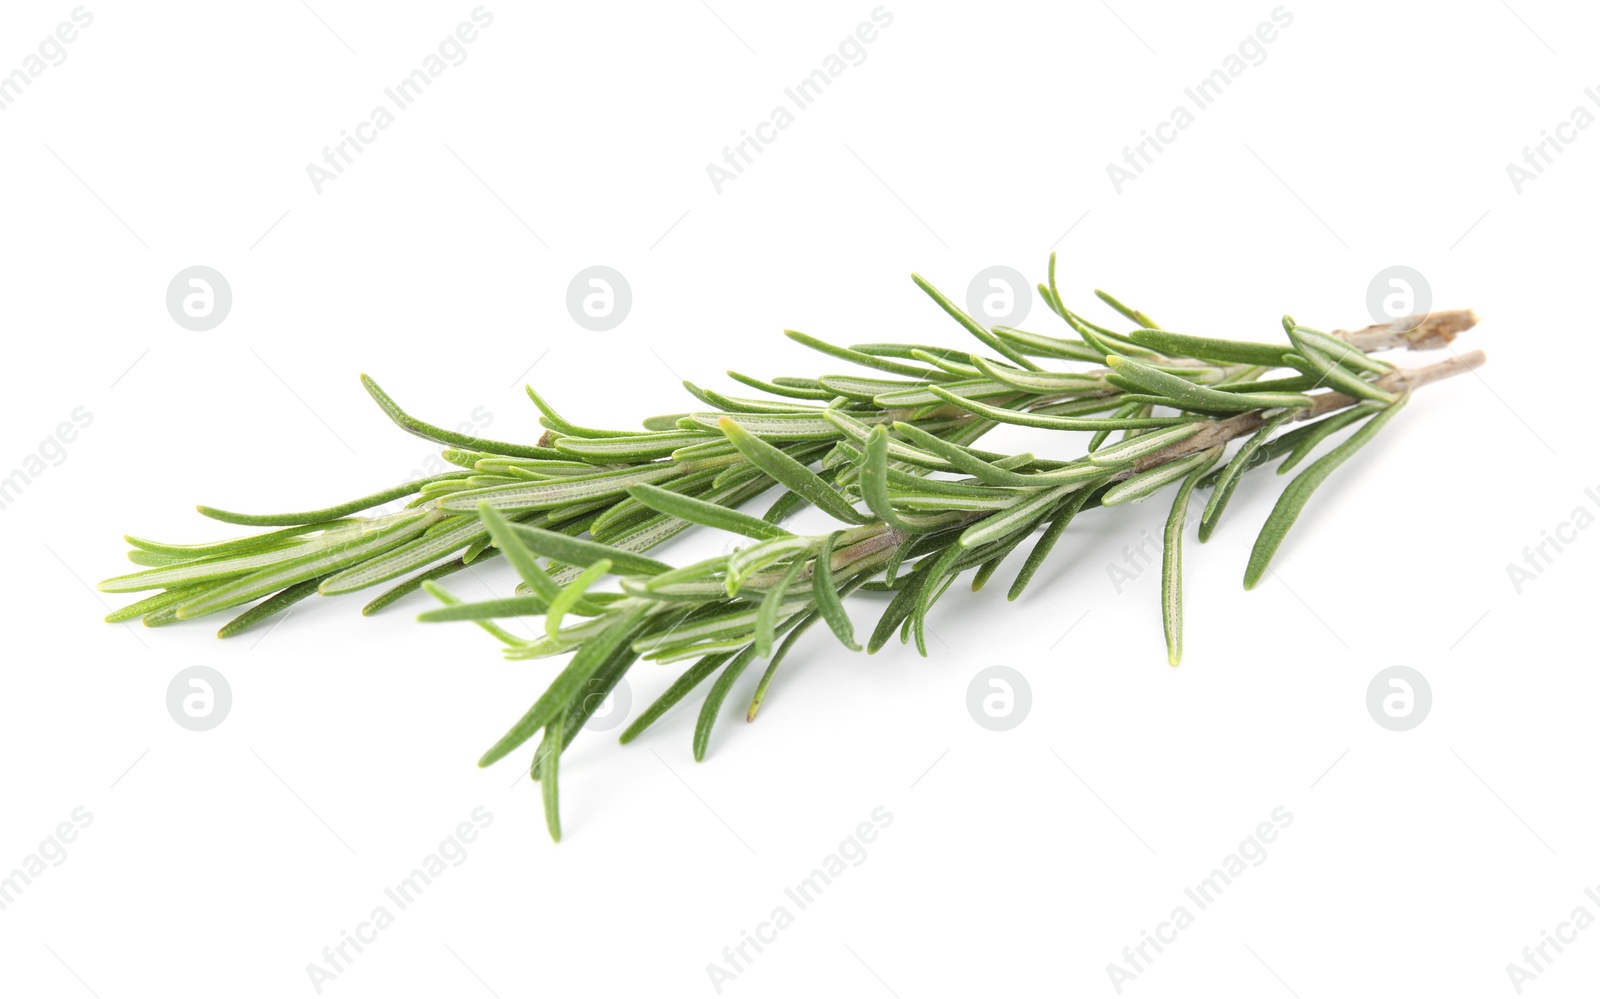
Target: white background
[(1016, 863)]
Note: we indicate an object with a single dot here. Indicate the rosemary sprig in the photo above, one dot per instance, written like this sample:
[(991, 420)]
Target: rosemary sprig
[(891, 456)]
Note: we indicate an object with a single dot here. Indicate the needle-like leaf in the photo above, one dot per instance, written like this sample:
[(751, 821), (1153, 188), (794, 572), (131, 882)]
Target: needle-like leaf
[(582, 552), (550, 418), (518, 554), (1172, 560), (767, 613), (1134, 448), (1002, 415), (974, 327), (571, 595), (706, 514), (1340, 350), (1299, 491), (797, 477), (825, 590), (1242, 461), (1133, 314), (1137, 487), (280, 601), (680, 688), (1216, 351), (1330, 369), (1187, 395), (549, 768), (789, 640), (1307, 438), (714, 698), (428, 431), (866, 360), (555, 698)]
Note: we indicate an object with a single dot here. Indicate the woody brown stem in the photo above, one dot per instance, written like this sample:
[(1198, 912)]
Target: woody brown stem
[(1323, 403), (1429, 331)]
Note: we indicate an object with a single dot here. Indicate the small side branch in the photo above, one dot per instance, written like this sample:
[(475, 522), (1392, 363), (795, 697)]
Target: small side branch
[(1432, 331), (1222, 431)]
